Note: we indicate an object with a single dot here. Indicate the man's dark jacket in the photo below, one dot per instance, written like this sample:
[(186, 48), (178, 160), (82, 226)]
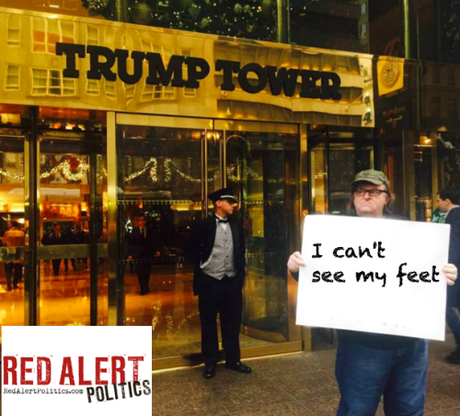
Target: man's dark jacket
[(52, 239), (202, 243), (453, 218), (140, 247)]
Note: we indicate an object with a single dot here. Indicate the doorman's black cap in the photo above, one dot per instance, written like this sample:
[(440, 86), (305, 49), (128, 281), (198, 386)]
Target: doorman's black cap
[(224, 193)]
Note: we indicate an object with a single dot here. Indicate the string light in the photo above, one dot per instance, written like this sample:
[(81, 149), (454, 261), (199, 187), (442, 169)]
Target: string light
[(167, 169), (63, 167), (11, 175), (153, 171), (169, 163), (234, 172), (150, 164)]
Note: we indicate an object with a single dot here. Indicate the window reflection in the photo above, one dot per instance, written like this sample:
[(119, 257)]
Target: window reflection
[(73, 216), (256, 170), (13, 227)]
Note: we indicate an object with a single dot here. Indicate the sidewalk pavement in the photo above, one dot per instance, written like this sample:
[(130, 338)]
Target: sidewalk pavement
[(297, 384)]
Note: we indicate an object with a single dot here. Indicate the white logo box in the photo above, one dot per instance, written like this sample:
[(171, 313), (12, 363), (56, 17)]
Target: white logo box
[(76, 370)]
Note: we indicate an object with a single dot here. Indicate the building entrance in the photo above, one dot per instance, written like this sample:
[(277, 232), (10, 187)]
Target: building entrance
[(167, 167), (53, 199), (72, 232)]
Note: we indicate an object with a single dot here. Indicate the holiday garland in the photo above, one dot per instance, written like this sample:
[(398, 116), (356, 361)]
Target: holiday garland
[(73, 170)]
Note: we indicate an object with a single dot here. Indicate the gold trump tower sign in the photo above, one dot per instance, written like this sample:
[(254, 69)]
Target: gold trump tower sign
[(72, 62), (252, 77)]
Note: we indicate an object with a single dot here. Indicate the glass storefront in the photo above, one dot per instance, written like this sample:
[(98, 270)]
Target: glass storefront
[(166, 168)]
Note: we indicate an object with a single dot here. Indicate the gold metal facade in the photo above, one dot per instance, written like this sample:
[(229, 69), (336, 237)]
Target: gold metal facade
[(31, 72)]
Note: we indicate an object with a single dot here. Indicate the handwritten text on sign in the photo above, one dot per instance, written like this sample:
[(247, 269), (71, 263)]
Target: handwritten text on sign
[(373, 275)]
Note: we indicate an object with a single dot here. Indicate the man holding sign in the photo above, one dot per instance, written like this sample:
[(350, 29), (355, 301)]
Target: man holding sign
[(373, 363)]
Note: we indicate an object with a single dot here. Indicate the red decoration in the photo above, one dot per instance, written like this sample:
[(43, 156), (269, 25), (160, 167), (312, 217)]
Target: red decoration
[(74, 163)]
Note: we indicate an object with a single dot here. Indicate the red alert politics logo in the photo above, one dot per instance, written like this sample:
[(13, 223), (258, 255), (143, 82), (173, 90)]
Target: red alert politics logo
[(76, 370)]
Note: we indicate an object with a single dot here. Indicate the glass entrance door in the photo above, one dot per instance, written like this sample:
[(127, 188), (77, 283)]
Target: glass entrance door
[(260, 163), (72, 233), (335, 156), (13, 221), (167, 167)]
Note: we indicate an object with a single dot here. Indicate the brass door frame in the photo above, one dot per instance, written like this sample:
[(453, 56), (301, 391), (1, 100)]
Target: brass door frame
[(115, 290), (31, 268)]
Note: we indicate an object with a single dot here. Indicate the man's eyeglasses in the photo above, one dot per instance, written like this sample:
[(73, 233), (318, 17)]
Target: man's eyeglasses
[(371, 192)]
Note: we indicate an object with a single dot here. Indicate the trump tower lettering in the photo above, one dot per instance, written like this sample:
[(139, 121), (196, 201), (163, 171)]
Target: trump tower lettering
[(252, 77), (373, 275)]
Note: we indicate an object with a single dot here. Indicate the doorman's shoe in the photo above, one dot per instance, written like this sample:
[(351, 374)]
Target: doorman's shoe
[(239, 367), (209, 371)]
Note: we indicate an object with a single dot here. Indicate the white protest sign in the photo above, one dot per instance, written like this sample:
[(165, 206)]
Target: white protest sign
[(374, 275)]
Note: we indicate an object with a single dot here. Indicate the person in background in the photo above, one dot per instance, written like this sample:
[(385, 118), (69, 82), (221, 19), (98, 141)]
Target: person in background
[(438, 216), (448, 202), (54, 238), (13, 237), (83, 238), (141, 248), (370, 365), (218, 250), (70, 237)]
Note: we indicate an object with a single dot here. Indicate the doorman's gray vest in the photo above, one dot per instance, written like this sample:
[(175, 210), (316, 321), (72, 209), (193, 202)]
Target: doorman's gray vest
[(221, 263)]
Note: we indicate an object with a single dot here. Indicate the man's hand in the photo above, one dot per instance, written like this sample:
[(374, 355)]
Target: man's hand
[(295, 262), (451, 273)]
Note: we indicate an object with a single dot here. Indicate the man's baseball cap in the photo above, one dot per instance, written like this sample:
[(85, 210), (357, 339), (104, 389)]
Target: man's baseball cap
[(224, 193), (376, 177)]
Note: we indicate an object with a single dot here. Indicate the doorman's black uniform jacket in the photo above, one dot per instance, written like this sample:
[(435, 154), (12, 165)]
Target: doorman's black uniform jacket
[(202, 243)]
